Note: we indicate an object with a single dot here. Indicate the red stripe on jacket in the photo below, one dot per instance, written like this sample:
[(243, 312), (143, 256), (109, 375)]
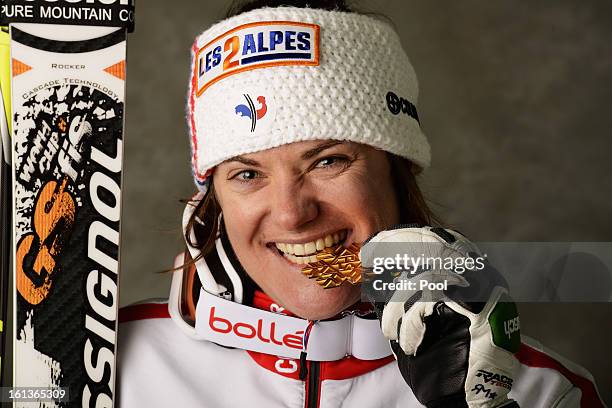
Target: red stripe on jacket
[(534, 358)]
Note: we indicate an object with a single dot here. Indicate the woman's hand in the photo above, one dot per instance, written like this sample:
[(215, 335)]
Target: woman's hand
[(454, 346)]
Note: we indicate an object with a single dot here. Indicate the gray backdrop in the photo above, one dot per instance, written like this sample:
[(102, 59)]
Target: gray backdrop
[(515, 99)]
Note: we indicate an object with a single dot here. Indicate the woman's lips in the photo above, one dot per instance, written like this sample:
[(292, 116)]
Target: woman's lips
[(304, 253)]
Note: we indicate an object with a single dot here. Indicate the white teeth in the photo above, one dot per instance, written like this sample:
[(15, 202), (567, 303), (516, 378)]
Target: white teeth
[(305, 253), (310, 248), (320, 244), (329, 241), (301, 260)]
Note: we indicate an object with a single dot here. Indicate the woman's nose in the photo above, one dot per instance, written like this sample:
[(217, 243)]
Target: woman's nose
[(293, 204)]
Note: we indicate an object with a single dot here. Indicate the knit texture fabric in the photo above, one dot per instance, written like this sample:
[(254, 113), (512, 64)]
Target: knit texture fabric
[(356, 92)]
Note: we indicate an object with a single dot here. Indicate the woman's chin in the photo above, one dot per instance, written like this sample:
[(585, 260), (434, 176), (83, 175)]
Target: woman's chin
[(313, 302)]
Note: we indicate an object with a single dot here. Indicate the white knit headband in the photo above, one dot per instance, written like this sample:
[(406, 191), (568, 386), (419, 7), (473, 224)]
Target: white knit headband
[(274, 76)]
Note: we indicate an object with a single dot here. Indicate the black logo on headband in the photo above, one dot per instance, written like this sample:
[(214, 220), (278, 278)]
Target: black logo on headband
[(397, 105)]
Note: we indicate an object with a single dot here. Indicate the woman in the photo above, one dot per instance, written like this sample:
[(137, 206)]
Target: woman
[(306, 141)]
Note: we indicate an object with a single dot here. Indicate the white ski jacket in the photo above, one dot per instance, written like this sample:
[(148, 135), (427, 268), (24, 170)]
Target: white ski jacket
[(162, 363)]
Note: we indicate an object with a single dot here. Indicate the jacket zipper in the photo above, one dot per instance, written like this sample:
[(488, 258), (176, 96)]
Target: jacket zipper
[(312, 385)]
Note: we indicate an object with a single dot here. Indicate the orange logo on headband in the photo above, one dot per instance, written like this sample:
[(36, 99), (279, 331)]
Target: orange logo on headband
[(256, 45)]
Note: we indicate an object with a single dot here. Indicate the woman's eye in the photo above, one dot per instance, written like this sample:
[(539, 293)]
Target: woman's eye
[(331, 161), (246, 175)]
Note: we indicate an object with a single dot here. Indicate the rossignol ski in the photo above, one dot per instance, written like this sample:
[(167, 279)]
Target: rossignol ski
[(68, 90)]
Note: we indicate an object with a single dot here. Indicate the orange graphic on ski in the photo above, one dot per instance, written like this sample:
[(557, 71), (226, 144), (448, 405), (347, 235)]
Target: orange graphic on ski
[(37, 252)]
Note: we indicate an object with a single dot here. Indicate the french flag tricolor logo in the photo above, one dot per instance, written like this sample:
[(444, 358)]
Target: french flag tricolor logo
[(251, 110)]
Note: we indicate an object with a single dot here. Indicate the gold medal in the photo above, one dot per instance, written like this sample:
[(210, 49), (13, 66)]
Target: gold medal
[(335, 266)]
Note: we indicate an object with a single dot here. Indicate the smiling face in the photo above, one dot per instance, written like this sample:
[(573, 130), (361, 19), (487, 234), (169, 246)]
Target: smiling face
[(282, 205)]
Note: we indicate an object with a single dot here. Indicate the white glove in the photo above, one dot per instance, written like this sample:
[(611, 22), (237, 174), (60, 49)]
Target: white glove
[(451, 350)]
